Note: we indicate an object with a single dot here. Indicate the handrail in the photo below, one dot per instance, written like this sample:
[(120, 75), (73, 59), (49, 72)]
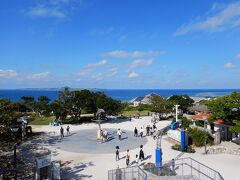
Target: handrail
[(198, 167), (134, 171), (194, 161)]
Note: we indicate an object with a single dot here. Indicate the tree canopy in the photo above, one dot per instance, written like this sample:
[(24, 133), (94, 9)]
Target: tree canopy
[(183, 100), (226, 108)]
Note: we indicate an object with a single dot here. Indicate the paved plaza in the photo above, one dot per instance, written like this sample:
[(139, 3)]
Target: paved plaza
[(84, 157), (84, 141)]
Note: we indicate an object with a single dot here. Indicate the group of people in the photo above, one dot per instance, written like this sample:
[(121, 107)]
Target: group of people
[(104, 135), (136, 132), (149, 131), (62, 131), (127, 157)]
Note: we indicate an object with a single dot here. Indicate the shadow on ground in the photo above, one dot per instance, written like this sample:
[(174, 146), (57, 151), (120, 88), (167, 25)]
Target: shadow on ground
[(72, 173)]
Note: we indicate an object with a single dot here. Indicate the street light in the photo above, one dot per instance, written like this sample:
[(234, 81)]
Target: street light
[(176, 108), (14, 129)]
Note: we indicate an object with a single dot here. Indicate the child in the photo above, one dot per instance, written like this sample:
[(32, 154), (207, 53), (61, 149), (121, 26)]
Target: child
[(137, 159), (127, 158)]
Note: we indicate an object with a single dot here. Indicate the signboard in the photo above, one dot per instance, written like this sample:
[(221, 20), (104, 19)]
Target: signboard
[(44, 161)]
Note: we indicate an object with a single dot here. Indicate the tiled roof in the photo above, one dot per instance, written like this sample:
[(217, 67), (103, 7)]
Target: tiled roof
[(201, 116)]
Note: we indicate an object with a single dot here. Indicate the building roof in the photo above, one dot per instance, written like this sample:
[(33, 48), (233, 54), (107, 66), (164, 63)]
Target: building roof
[(203, 116), (219, 121)]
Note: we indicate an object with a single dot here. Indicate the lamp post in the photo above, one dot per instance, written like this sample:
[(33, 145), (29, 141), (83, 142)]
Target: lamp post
[(176, 108), (14, 129)]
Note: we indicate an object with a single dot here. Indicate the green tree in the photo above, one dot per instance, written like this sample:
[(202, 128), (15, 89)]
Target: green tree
[(27, 99), (183, 100), (29, 103), (226, 108), (8, 116), (158, 104), (42, 105)]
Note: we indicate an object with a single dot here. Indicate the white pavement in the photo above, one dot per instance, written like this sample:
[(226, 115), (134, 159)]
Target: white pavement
[(96, 166)]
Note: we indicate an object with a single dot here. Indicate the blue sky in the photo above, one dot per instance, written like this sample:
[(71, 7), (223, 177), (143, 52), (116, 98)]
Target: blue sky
[(120, 44)]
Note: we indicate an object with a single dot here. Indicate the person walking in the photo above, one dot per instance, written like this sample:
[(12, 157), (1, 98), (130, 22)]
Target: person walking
[(135, 132), (68, 130), (141, 153), (127, 158), (105, 134), (119, 133), (173, 164), (141, 132), (148, 130), (62, 132), (101, 136), (117, 153), (137, 159)]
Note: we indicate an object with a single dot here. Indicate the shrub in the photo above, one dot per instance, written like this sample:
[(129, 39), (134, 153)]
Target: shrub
[(185, 122), (197, 137), (187, 149)]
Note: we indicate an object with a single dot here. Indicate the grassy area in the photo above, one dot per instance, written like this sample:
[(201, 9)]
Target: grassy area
[(134, 112), (41, 121), (47, 120)]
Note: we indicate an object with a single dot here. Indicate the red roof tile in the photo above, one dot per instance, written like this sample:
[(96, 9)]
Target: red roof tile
[(219, 121), (201, 116)]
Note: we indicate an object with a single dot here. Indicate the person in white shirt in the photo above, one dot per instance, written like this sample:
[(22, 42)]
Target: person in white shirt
[(119, 133), (105, 134), (137, 159)]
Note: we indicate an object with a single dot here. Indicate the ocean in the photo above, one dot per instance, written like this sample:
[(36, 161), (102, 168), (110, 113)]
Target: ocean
[(119, 94)]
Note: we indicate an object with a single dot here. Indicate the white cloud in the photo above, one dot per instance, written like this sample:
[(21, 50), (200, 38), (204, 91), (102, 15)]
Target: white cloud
[(78, 79), (139, 62), (100, 63), (112, 72), (132, 75), (39, 76), (238, 56), (89, 68), (8, 73), (229, 65), (131, 54), (52, 8), (43, 11), (222, 19), (98, 77), (85, 71)]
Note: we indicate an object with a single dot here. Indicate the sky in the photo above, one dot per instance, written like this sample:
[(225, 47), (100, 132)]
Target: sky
[(120, 44)]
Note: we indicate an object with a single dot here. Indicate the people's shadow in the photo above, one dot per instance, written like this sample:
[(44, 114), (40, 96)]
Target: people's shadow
[(110, 139), (123, 157), (148, 157), (142, 164), (71, 134), (124, 138)]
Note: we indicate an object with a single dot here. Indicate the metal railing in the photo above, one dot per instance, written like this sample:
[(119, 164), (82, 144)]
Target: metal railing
[(187, 167), (129, 173)]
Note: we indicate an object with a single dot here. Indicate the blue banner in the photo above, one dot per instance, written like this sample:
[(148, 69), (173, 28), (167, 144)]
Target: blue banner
[(158, 157)]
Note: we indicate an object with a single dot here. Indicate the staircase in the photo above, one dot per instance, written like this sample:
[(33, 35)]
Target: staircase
[(183, 169)]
